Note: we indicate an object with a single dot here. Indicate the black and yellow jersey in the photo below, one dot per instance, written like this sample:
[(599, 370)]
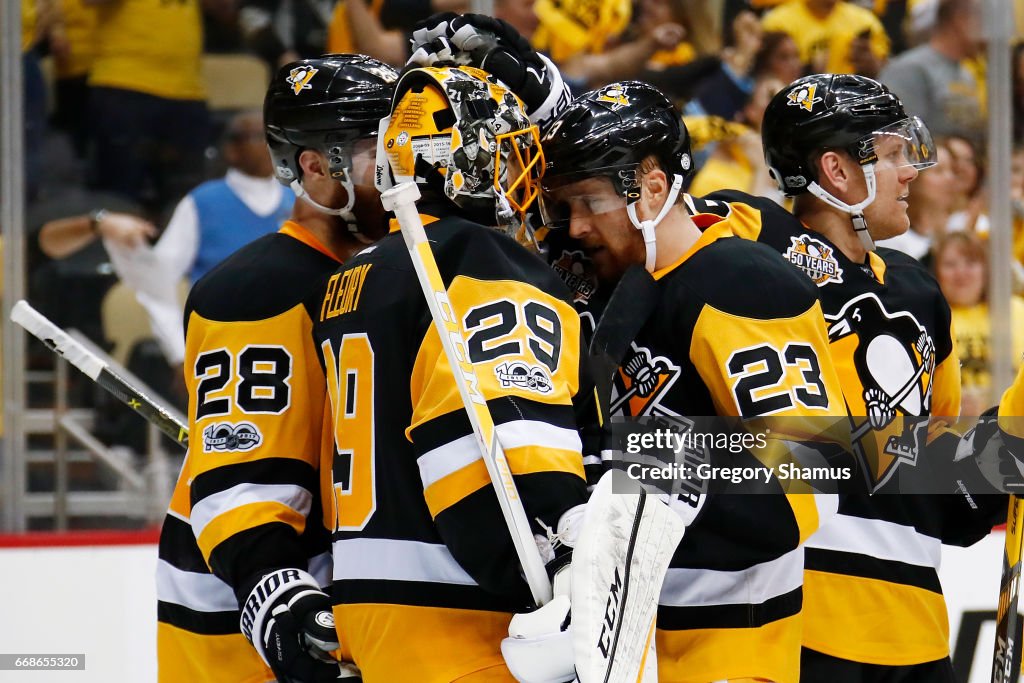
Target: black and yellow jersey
[(425, 574), (872, 593), (248, 498), (729, 314)]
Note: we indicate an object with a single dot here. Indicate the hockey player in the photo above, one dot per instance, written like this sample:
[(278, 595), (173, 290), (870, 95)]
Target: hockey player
[(425, 575), (247, 501), (847, 150), (731, 319)]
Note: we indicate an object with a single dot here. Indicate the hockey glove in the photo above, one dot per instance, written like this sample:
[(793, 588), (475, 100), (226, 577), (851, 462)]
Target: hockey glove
[(289, 621), (986, 447), (494, 46)]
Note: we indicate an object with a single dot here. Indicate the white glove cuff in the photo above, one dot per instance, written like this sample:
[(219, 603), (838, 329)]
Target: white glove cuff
[(263, 597), (558, 97)]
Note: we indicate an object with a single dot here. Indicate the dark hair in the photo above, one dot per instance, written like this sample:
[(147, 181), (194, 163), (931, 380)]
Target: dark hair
[(770, 42)]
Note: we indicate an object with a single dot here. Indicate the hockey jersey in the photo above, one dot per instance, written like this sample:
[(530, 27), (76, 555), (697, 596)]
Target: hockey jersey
[(731, 600), (425, 574), (248, 498), (872, 592)]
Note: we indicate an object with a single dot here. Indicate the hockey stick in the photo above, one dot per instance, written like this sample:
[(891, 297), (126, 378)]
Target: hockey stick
[(99, 371), (628, 308), (401, 199), (1006, 656)]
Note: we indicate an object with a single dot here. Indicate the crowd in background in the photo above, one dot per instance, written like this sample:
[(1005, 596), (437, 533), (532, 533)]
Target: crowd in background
[(121, 143)]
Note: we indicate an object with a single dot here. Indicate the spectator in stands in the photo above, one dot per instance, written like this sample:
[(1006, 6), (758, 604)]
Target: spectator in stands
[(961, 267), (929, 206), (281, 32), (73, 47), (39, 19), (934, 80), (737, 163), (778, 56), (210, 223), (834, 36), (725, 91), (148, 112)]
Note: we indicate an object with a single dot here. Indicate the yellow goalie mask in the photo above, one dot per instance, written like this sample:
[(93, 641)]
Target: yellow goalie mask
[(464, 135)]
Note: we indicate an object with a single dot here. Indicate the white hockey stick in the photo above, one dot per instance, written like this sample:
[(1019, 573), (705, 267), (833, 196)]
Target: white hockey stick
[(402, 200), (61, 343)]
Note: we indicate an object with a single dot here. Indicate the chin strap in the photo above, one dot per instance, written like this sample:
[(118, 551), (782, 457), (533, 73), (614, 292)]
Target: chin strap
[(856, 211), (646, 228), (344, 212)]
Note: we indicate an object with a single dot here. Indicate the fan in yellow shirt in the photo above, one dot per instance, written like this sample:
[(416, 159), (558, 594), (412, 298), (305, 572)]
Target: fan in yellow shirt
[(834, 36), (961, 266), (147, 104)]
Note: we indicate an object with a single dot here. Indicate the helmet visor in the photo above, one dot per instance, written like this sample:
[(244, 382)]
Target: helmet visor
[(904, 143), (589, 193)]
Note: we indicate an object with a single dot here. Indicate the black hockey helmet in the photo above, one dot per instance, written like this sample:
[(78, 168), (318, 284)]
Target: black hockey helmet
[(828, 111), (325, 104), (609, 131), (839, 112)]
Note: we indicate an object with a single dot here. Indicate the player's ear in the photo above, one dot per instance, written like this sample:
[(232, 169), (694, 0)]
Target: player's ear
[(833, 171), (312, 163), (653, 190)]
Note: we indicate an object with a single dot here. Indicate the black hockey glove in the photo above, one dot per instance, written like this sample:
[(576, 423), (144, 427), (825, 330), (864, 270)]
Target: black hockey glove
[(986, 447), (289, 621), (494, 46)]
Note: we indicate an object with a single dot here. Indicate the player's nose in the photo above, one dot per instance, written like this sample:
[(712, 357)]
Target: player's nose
[(579, 225)]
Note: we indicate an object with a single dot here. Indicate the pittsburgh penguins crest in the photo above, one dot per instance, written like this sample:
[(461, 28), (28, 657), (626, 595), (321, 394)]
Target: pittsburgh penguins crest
[(894, 363)]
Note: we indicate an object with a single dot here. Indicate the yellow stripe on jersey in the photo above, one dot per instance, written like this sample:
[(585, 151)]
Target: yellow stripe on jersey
[(946, 385), (805, 511), (1011, 407), (186, 657), (715, 654), (449, 490), (234, 519), (845, 610), (409, 644)]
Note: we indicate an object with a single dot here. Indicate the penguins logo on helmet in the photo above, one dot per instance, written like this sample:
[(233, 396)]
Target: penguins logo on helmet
[(614, 95), (300, 76), (804, 98)]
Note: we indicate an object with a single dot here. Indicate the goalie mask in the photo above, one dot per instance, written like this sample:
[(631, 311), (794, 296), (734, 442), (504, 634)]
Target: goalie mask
[(464, 136), (851, 113), (331, 104)]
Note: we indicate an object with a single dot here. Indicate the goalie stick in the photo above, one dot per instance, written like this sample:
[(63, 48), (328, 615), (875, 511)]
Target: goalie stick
[(401, 199), (61, 343), (1007, 656)]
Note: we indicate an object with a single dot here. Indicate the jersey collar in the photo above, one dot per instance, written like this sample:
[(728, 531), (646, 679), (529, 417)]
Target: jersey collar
[(296, 231)]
